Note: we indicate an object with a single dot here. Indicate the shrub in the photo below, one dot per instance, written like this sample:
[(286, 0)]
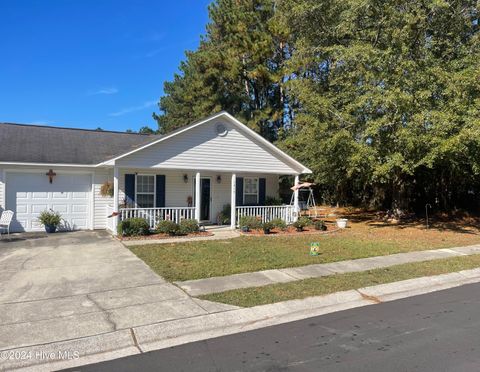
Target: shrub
[(224, 216), (133, 227), (250, 222), (168, 227), (320, 225), (279, 223), (50, 218), (267, 226), (302, 222), (271, 200), (188, 226)]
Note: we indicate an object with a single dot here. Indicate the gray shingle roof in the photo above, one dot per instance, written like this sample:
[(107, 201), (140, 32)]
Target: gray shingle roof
[(44, 144)]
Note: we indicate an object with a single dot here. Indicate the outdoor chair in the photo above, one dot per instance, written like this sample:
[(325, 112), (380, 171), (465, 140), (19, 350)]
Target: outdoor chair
[(5, 221)]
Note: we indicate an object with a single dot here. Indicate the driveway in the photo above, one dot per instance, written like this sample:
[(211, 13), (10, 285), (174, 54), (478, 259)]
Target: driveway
[(70, 285)]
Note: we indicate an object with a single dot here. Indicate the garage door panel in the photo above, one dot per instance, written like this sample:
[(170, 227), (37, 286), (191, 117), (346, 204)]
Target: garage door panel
[(36, 208), (22, 209), (28, 194), (79, 195), (60, 195), (39, 195), (60, 208)]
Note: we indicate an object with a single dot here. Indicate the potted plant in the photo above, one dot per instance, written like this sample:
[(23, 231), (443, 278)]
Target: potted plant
[(267, 227), (301, 223), (342, 223), (320, 225), (50, 219)]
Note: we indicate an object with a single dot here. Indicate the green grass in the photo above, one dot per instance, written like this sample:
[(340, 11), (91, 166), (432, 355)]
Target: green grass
[(321, 286), (204, 259)]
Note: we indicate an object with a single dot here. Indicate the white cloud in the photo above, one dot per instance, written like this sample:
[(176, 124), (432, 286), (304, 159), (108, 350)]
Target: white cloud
[(107, 91), (128, 110)]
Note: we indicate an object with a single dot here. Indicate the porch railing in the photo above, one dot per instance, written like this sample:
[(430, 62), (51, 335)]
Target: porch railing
[(153, 215), (268, 213)]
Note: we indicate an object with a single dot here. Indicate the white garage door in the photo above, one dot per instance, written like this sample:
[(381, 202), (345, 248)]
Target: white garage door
[(30, 193)]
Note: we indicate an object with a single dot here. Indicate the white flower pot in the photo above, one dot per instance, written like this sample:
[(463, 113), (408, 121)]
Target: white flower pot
[(342, 223)]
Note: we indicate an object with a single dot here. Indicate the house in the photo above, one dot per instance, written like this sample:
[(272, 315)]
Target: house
[(192, 172)]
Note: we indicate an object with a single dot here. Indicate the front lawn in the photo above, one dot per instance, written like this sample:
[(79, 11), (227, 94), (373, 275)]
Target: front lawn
[(341, 282), (204, 259)]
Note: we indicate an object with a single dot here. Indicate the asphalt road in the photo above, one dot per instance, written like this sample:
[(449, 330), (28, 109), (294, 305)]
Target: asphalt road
[(435, 332)]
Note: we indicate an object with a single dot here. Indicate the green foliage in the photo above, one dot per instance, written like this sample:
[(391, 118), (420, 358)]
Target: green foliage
[(250, 222), (302, 222), (380, 99), (168, 227), (279, 223), (320, 225), (272, 200), (188, 226), (238, 67), (133, 227), (50, 218), (267, 226), (224, 216)]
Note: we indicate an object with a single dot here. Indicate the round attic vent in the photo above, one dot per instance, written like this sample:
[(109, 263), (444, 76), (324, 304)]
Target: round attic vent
[(221, 129)]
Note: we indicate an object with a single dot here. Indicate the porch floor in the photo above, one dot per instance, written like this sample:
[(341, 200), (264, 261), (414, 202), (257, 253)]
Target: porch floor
[(219, 233)]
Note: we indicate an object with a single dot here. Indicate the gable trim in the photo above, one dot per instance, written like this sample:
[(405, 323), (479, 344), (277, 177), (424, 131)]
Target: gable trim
[(275, 150)]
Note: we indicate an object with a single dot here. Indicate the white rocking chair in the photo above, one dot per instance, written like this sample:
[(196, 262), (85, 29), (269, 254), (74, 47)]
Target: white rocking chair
[(5, 221)]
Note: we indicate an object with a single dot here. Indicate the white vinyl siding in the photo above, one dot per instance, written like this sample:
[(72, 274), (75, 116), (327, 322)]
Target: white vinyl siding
[(2, 191), (202, 148), (100, 202)]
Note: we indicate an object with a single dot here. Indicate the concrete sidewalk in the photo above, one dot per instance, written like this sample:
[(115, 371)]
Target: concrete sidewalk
[(266, 277), (140, 339)]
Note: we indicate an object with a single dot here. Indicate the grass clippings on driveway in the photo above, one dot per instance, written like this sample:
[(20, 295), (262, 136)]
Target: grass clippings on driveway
[(341, 282), (196, 260)]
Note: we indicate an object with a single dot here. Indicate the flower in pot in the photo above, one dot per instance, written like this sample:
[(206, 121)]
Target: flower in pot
[(50, 219), (267, 227)]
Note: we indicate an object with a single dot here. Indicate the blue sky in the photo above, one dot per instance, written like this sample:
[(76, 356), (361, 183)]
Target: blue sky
[(91, 63)]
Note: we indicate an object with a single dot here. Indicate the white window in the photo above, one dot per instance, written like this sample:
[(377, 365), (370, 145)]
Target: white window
[(145, 191), (250, 191)]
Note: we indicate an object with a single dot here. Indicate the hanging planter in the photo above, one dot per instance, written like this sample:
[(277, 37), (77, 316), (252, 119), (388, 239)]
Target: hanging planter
[(106, 190)]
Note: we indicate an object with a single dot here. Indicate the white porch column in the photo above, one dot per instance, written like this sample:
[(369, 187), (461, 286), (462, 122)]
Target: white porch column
[(296, 206), (115, 199), (197, 197), (233, 204)]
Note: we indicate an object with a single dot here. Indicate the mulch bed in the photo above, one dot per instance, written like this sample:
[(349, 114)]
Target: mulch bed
[(290, 231), (166, 236)]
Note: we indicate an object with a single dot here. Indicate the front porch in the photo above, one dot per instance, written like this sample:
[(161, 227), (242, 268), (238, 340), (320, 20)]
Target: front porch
[(175, 195)]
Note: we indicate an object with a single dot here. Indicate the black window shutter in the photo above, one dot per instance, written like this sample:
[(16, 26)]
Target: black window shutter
[(130, 189), (239, 192), (160, 192), (262, 189)]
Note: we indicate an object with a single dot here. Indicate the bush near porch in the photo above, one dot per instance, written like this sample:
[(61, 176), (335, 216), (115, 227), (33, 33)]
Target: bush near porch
[(365, 238)]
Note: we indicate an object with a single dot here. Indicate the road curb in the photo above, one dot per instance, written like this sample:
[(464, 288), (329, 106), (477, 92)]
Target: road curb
[(156, 336)]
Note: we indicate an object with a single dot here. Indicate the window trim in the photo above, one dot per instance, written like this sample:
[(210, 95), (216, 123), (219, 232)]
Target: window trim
[(154, 193), (244, 188)]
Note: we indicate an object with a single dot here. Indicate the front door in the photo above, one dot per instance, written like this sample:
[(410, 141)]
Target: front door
[(205, 199)]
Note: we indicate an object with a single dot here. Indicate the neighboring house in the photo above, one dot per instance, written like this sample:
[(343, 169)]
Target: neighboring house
[(216, 161)]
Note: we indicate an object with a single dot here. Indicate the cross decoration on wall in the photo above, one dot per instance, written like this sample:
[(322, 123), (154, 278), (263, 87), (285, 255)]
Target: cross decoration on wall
[(50, 175)]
